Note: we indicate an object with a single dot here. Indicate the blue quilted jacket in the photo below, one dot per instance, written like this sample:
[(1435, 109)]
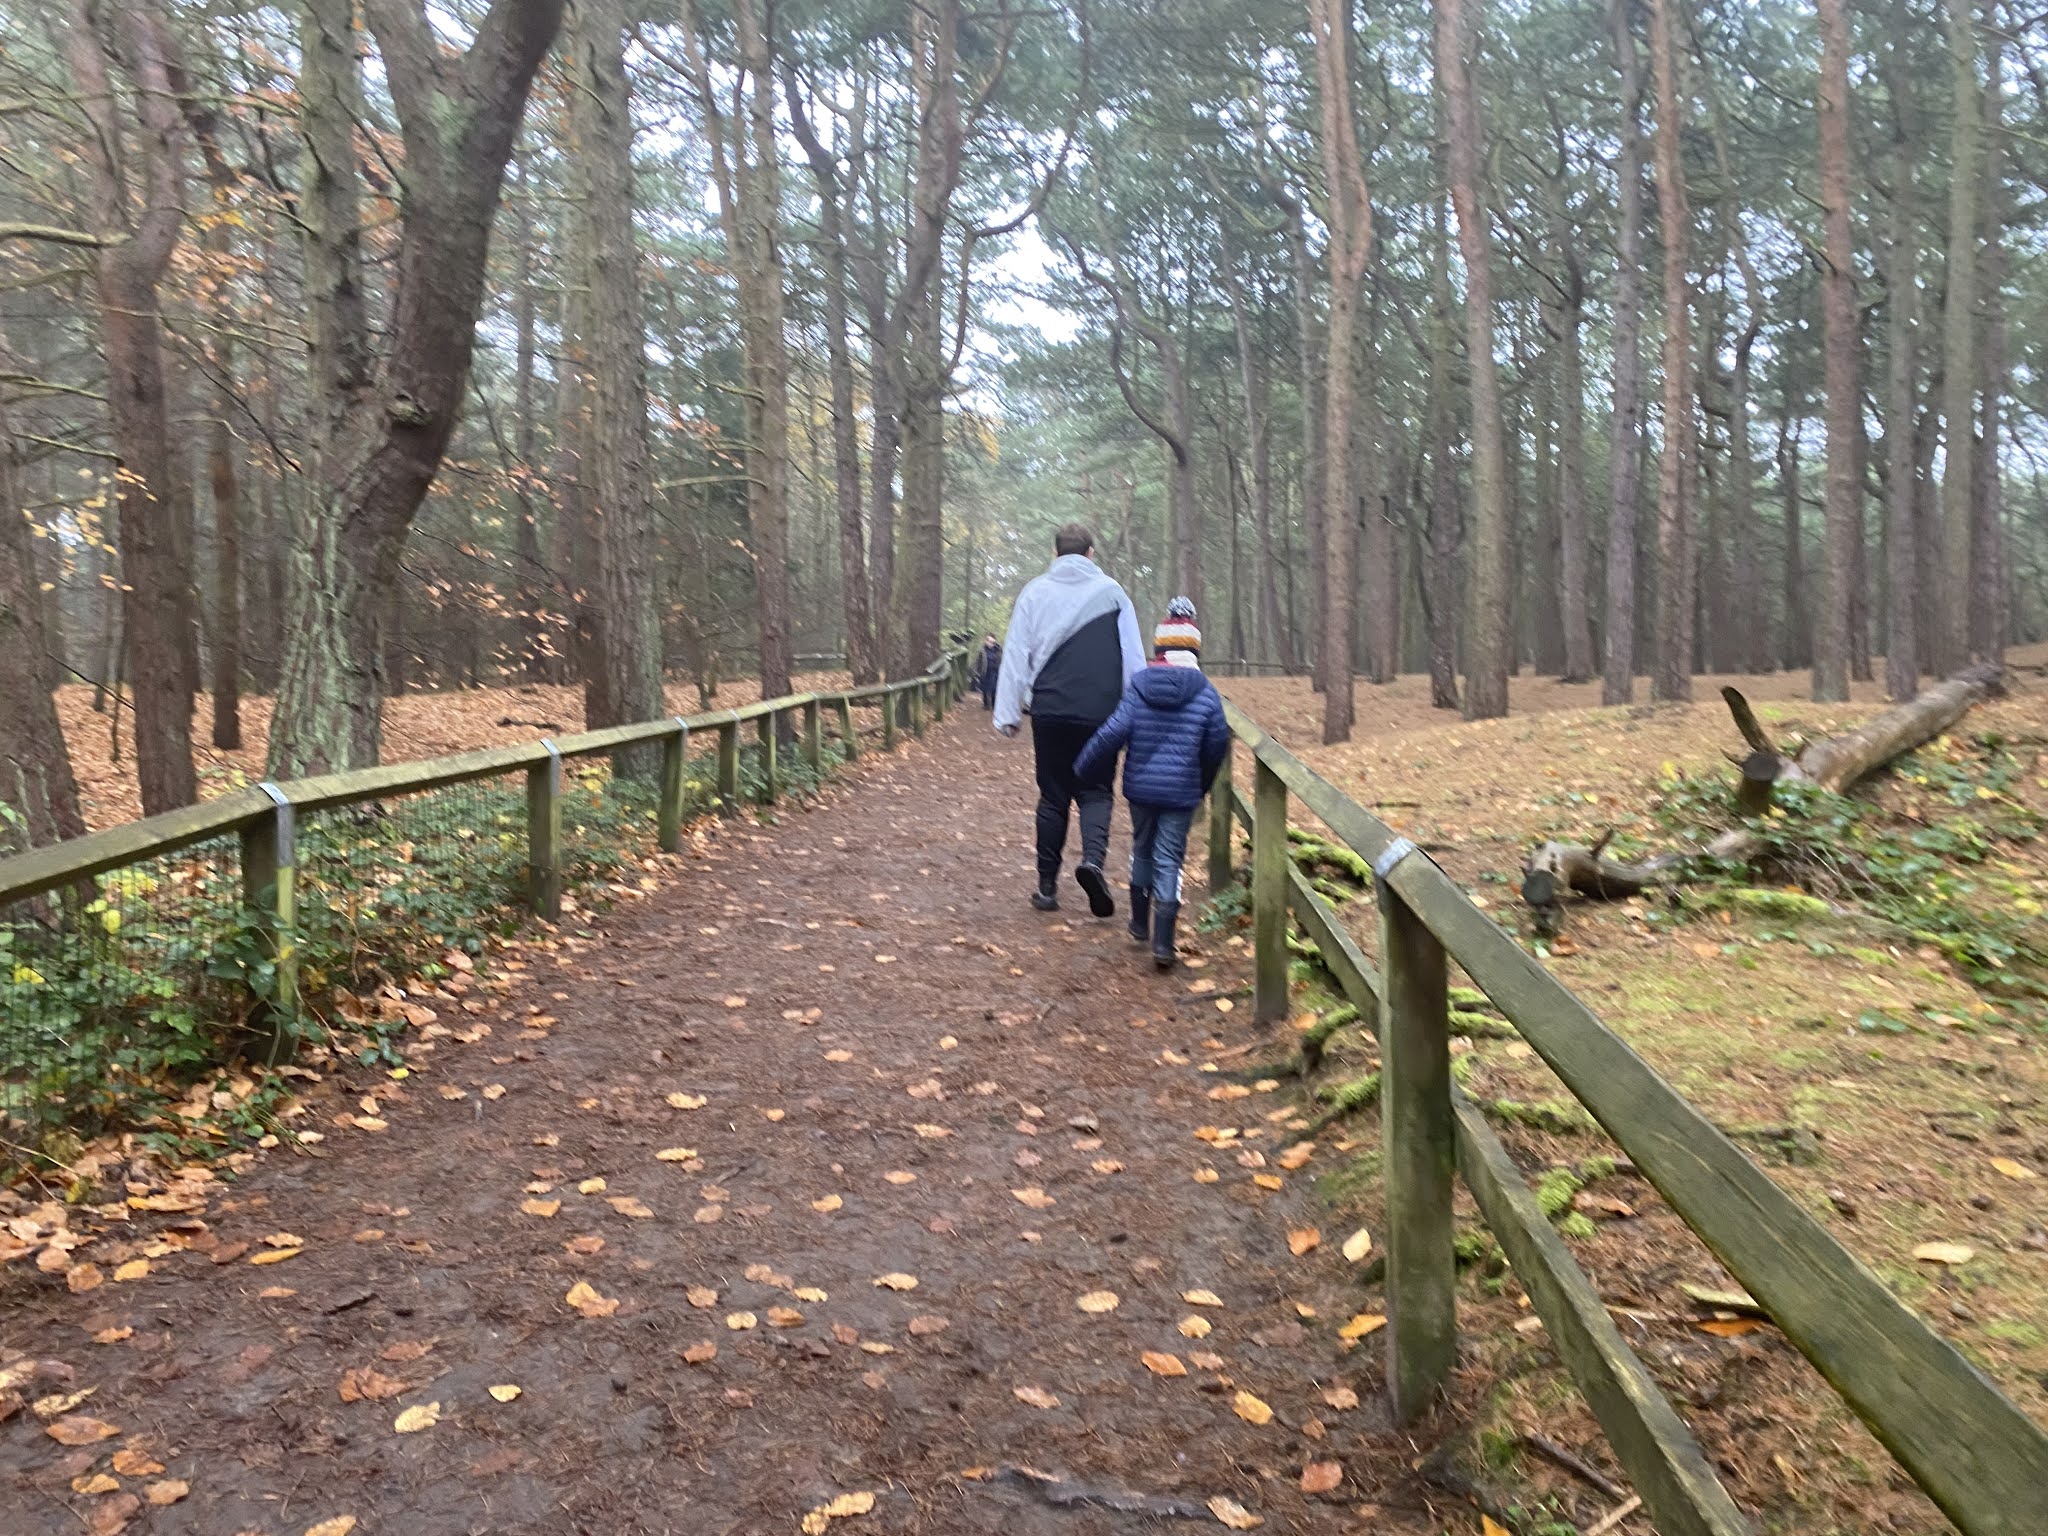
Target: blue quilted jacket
[(1171, 720)]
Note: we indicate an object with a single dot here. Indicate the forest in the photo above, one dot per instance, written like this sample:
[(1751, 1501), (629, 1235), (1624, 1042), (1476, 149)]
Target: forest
[(367, 346)]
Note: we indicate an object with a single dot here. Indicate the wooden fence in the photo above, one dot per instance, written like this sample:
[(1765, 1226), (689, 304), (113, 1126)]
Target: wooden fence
[(1977, 1455), (262, 818)]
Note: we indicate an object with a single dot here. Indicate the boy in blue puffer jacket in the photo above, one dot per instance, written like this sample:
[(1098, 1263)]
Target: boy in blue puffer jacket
[(1172, 727)]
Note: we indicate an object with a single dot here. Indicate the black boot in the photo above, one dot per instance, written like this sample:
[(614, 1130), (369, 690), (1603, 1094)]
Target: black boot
[(1090, 878), (1165, 917), (1047, 897), (1141, 915)]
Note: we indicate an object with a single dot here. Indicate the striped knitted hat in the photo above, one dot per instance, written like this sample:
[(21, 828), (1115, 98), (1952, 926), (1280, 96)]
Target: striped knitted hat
[(1177, 632)]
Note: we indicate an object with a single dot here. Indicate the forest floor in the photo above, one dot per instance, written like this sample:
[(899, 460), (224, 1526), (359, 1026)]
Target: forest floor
[(827, 1170), (1895, 1101)]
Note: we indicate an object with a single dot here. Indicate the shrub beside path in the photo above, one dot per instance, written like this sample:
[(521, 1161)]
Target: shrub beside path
[(830, 1170)]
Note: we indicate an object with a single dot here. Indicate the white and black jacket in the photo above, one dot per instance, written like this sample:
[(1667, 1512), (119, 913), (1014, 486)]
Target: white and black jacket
[(1073, 644)]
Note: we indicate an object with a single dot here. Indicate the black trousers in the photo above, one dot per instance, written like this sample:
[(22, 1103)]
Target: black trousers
[(1055, 744)]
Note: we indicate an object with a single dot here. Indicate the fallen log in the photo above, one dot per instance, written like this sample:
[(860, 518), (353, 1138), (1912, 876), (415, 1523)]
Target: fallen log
[(1834, 763)]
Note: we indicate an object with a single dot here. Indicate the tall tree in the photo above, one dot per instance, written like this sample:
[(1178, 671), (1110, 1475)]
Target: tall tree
[(1949, 626), (1625, 431), (379, 427), (1843, 506), (1489, 636), (1672, 677)]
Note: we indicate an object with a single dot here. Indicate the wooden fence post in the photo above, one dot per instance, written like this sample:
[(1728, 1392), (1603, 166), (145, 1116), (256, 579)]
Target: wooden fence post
[(890, 701), (1221, 808), (771, 763), (268, 881), (729, 763), (917, 691), (1269, 896), (814, 737), (849, 738), (1418, 1143), (675, 754), (544, 835)]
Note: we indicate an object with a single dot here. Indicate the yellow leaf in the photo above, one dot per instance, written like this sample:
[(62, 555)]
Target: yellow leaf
[(627, 1205), (134, 1269), (809, 1293), (1199, 1298), (130, 1462), (275, 1255), (702, 1297), (584, 1298), (896, 1282), (495, 1091), (1233, 1514), (687, 1101), (1194, 1326), (540, 1207), (1159, 1363), (2010, 1167), (1253, 1410), (827, 1204), (1297, 1154), (675, 1154), (416, 1418), (1340, 1397), (1358, 1245), (1037, 1397), (81, 1278), (1301, 1240), (701, 1353), (113, 1335), (505, 1393), (1944, 1253), (785, 1317), (845, 1507), (1206, 1175), (1098, 1301), (1034, 1197), (1361, 1325), (168, 1491), (740, 1322), (1107, 1165), (1268, 1180), (340, 1525), (591, 1186), (94, 1483), (276, 1292), (900, 1176)]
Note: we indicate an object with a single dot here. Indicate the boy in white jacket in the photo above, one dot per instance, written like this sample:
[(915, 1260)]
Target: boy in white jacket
[(1073, 644)]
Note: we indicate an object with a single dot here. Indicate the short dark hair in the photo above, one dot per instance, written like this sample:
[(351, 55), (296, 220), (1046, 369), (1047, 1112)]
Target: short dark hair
[(1072, 539)]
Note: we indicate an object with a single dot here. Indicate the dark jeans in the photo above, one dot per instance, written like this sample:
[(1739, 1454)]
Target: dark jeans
[(1055, 744), (987, 684), (1159, 847)]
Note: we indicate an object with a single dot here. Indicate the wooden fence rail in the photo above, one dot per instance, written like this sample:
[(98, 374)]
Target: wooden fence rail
[(263, 817), (1974, 1452)]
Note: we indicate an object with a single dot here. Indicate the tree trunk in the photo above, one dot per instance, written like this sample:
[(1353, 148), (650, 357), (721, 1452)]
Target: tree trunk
[(1902, 537), (36, 782), (1439, 577), (1625, 434), (1987, 540), (1489, 639), (378, 434), (1259, 431), (601, 145), (154, 526), (1672, 676), (1844, 501), (538, 651), (1798, 632), (1574, 554), (1949, 629)]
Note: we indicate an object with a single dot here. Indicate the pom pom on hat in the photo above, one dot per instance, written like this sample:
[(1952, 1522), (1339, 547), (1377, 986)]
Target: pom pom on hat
[(1178, 632)]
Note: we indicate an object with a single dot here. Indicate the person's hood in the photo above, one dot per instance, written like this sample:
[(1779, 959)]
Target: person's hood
[(1169, 687), (1074, 571)]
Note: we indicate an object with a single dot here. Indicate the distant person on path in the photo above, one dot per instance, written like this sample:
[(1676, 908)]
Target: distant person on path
[(987, 670), (1073, 644), (1171, 719)]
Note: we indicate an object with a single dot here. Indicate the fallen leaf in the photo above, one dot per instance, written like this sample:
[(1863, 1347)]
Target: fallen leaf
[(130, 1462), (841, 1508), (1159, 1363), (592, 1186), (1194, 1326), (705, 1215), (702, 1297), (1730, 1327), (1199, 1298), (1488, 1526), (1340, 1397), (80, 1278), (540, 1207), (675, 1154), (495, 1091), (900, 1176), (416, 1418), (1206, 1175), (168, 1491), (58, 1404), (111, 1517), (1358, 1245), (113, 1335), (687, 1101), (503, 1394), (340, 1525), (584, 1244), (80, 1429), (1205, 1360), (1253, 1410), (275, 1255), (925, 1324), (1944, 1253), (627, 1205), (827, 1204), (785, 1317), (1361, 1325), (94, 1484), (134, 1269), (585, 1299), (1037, 1397), (1297, 1154), (1233, 1514), (1269, 1181), (1107, 1165), (740, 1322), (276, 1292), (1321, 1476), (2012, 1168), (407, 1349), (701, 1353), (1034, 1197), (1301, 1240), (1098, 1301), (809, 1293), (359, 1383), (896, 1282)]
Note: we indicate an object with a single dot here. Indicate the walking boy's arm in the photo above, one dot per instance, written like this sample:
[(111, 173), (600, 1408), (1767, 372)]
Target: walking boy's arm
[(1108, 740), (1016, 660), (1130, 639), (1215, 738)]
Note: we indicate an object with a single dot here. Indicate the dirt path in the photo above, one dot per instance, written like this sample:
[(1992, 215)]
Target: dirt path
[(888, 1044)]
